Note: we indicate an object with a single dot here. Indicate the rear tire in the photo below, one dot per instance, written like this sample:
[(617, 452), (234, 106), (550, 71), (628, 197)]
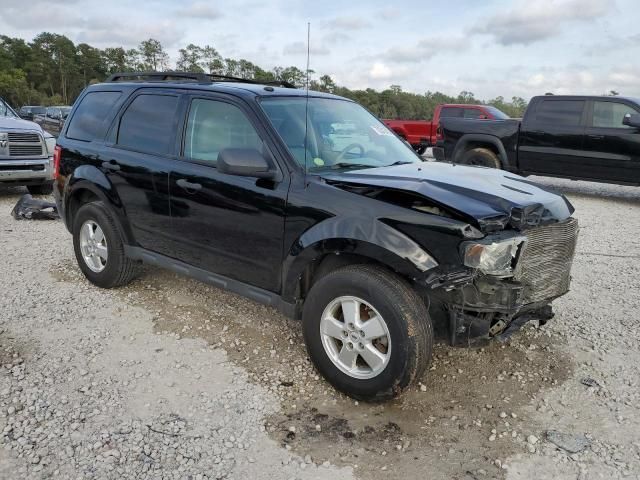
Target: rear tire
[(481, 157), (102, 259), (42, 189), (421, 150), (406, 334)]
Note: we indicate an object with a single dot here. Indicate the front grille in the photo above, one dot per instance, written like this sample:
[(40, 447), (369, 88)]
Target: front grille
[(24, 150), (16, 137), (545, 262), (23, 144)]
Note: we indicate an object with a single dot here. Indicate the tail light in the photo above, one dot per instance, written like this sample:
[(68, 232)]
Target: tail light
[(57, 153), (439, 135)]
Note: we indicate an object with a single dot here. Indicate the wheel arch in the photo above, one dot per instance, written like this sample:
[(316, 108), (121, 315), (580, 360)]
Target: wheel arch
[(88, 184), (312, 257), (471, 141)]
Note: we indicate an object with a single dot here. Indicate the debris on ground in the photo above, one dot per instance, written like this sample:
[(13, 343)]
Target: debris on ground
[(589, 382), (29, 208), (569, 442)]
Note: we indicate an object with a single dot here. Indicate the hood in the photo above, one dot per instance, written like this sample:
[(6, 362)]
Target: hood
[(493, 199), (10, 123)]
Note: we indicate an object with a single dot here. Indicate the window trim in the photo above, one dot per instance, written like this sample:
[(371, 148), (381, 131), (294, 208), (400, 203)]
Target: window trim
[(592, 108), (114, 129)]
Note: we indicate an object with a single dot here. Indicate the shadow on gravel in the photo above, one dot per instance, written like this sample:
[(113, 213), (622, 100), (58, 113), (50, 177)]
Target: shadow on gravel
[(442, 425)]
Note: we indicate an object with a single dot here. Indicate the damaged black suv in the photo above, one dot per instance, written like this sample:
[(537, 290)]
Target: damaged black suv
[(310, 204)]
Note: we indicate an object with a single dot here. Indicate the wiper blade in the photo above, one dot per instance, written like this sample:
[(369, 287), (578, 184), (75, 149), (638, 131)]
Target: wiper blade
[(351, 165), (399, 162)]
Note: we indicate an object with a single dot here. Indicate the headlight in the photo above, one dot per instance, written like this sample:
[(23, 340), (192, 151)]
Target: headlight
[(51, 144), (496, 258)]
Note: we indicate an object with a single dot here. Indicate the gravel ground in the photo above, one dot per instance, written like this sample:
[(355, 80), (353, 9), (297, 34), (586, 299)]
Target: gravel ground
[(170, 378)]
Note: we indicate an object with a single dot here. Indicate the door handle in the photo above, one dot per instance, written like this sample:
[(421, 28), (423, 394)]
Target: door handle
[(596, 137), (188, 186), (114, 167)]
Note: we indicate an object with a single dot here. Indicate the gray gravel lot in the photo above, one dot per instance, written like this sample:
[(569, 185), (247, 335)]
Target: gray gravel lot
[(170, 378)]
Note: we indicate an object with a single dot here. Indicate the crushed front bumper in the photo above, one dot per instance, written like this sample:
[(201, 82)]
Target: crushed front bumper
[(484, 306)]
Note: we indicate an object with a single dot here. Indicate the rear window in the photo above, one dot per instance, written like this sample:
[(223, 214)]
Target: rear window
[(451, 112), (148, 124), (88, 123), (560, 112), (473, 113)]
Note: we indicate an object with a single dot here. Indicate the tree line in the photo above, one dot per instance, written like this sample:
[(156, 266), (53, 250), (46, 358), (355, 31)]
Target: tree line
[(52, 70)]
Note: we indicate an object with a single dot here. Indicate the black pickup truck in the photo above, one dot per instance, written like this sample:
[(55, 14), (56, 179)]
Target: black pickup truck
[(576, 137)]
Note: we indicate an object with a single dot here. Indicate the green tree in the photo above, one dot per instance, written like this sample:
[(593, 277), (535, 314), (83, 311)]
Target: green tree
[(152, 56), (190, 58)]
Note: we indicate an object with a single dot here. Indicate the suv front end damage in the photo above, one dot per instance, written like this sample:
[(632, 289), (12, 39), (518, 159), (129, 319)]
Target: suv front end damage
[(510, 279)]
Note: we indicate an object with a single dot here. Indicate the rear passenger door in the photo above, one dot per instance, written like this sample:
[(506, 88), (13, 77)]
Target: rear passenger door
[(227, 224), (615, 148), (552, 137), (140, 151)]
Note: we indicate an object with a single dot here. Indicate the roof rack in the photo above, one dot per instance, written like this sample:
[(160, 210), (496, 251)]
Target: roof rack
[(188, 76)]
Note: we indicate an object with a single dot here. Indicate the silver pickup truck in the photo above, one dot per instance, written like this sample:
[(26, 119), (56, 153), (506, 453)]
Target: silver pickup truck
[(26, 153)]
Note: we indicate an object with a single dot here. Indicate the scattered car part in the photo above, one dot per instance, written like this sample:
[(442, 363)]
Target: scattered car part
[(29, 208)]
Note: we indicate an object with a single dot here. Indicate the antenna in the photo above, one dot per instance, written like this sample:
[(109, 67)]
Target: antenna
[(306, 106)]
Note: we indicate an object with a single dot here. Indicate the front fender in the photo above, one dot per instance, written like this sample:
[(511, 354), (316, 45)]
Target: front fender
[(371, 239)]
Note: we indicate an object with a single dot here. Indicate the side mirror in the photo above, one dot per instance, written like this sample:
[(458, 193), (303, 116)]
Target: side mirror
[(631, 120), (245, 162)]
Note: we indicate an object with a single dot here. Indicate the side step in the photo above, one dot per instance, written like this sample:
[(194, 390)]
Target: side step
[(254, 293)]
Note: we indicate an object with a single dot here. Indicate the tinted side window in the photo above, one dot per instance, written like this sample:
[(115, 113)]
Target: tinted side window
[(87, 122), (472, 113), (610, 114), (148, 124), (451, 112), (213, 126), (560, 112)]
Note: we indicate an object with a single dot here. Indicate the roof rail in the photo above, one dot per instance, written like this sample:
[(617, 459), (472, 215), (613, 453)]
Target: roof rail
[(189, 76)]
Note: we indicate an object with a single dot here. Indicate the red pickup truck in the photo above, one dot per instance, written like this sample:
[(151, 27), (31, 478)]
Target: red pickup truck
[(422, 134)]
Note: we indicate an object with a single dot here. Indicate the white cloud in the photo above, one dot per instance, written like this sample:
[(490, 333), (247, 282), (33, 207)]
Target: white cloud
[(300, 48), (528, 22), (199, 10), (425, 49), (348, 23), (380, 71)]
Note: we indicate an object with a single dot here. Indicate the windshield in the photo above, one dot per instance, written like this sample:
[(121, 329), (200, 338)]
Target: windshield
[(340, 134), (6, 110), (497, 114)]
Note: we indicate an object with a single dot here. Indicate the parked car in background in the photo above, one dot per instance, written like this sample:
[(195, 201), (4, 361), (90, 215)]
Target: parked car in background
[(577, 137), (307, 202), (53, 119), (422, 134), (26, 153), (29, 112)]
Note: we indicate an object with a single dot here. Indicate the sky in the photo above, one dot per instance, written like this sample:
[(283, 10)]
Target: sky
[(488, 47)]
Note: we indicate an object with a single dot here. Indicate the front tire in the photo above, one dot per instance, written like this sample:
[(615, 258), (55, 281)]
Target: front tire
[(367, 332), (420, 150), (481, 157), (97, 242)]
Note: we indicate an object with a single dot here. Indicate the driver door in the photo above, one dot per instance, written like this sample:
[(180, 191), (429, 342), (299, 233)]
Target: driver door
[(227, 224)]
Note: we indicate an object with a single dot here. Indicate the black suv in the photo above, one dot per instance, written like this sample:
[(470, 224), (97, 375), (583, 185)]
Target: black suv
[(307, 202)]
